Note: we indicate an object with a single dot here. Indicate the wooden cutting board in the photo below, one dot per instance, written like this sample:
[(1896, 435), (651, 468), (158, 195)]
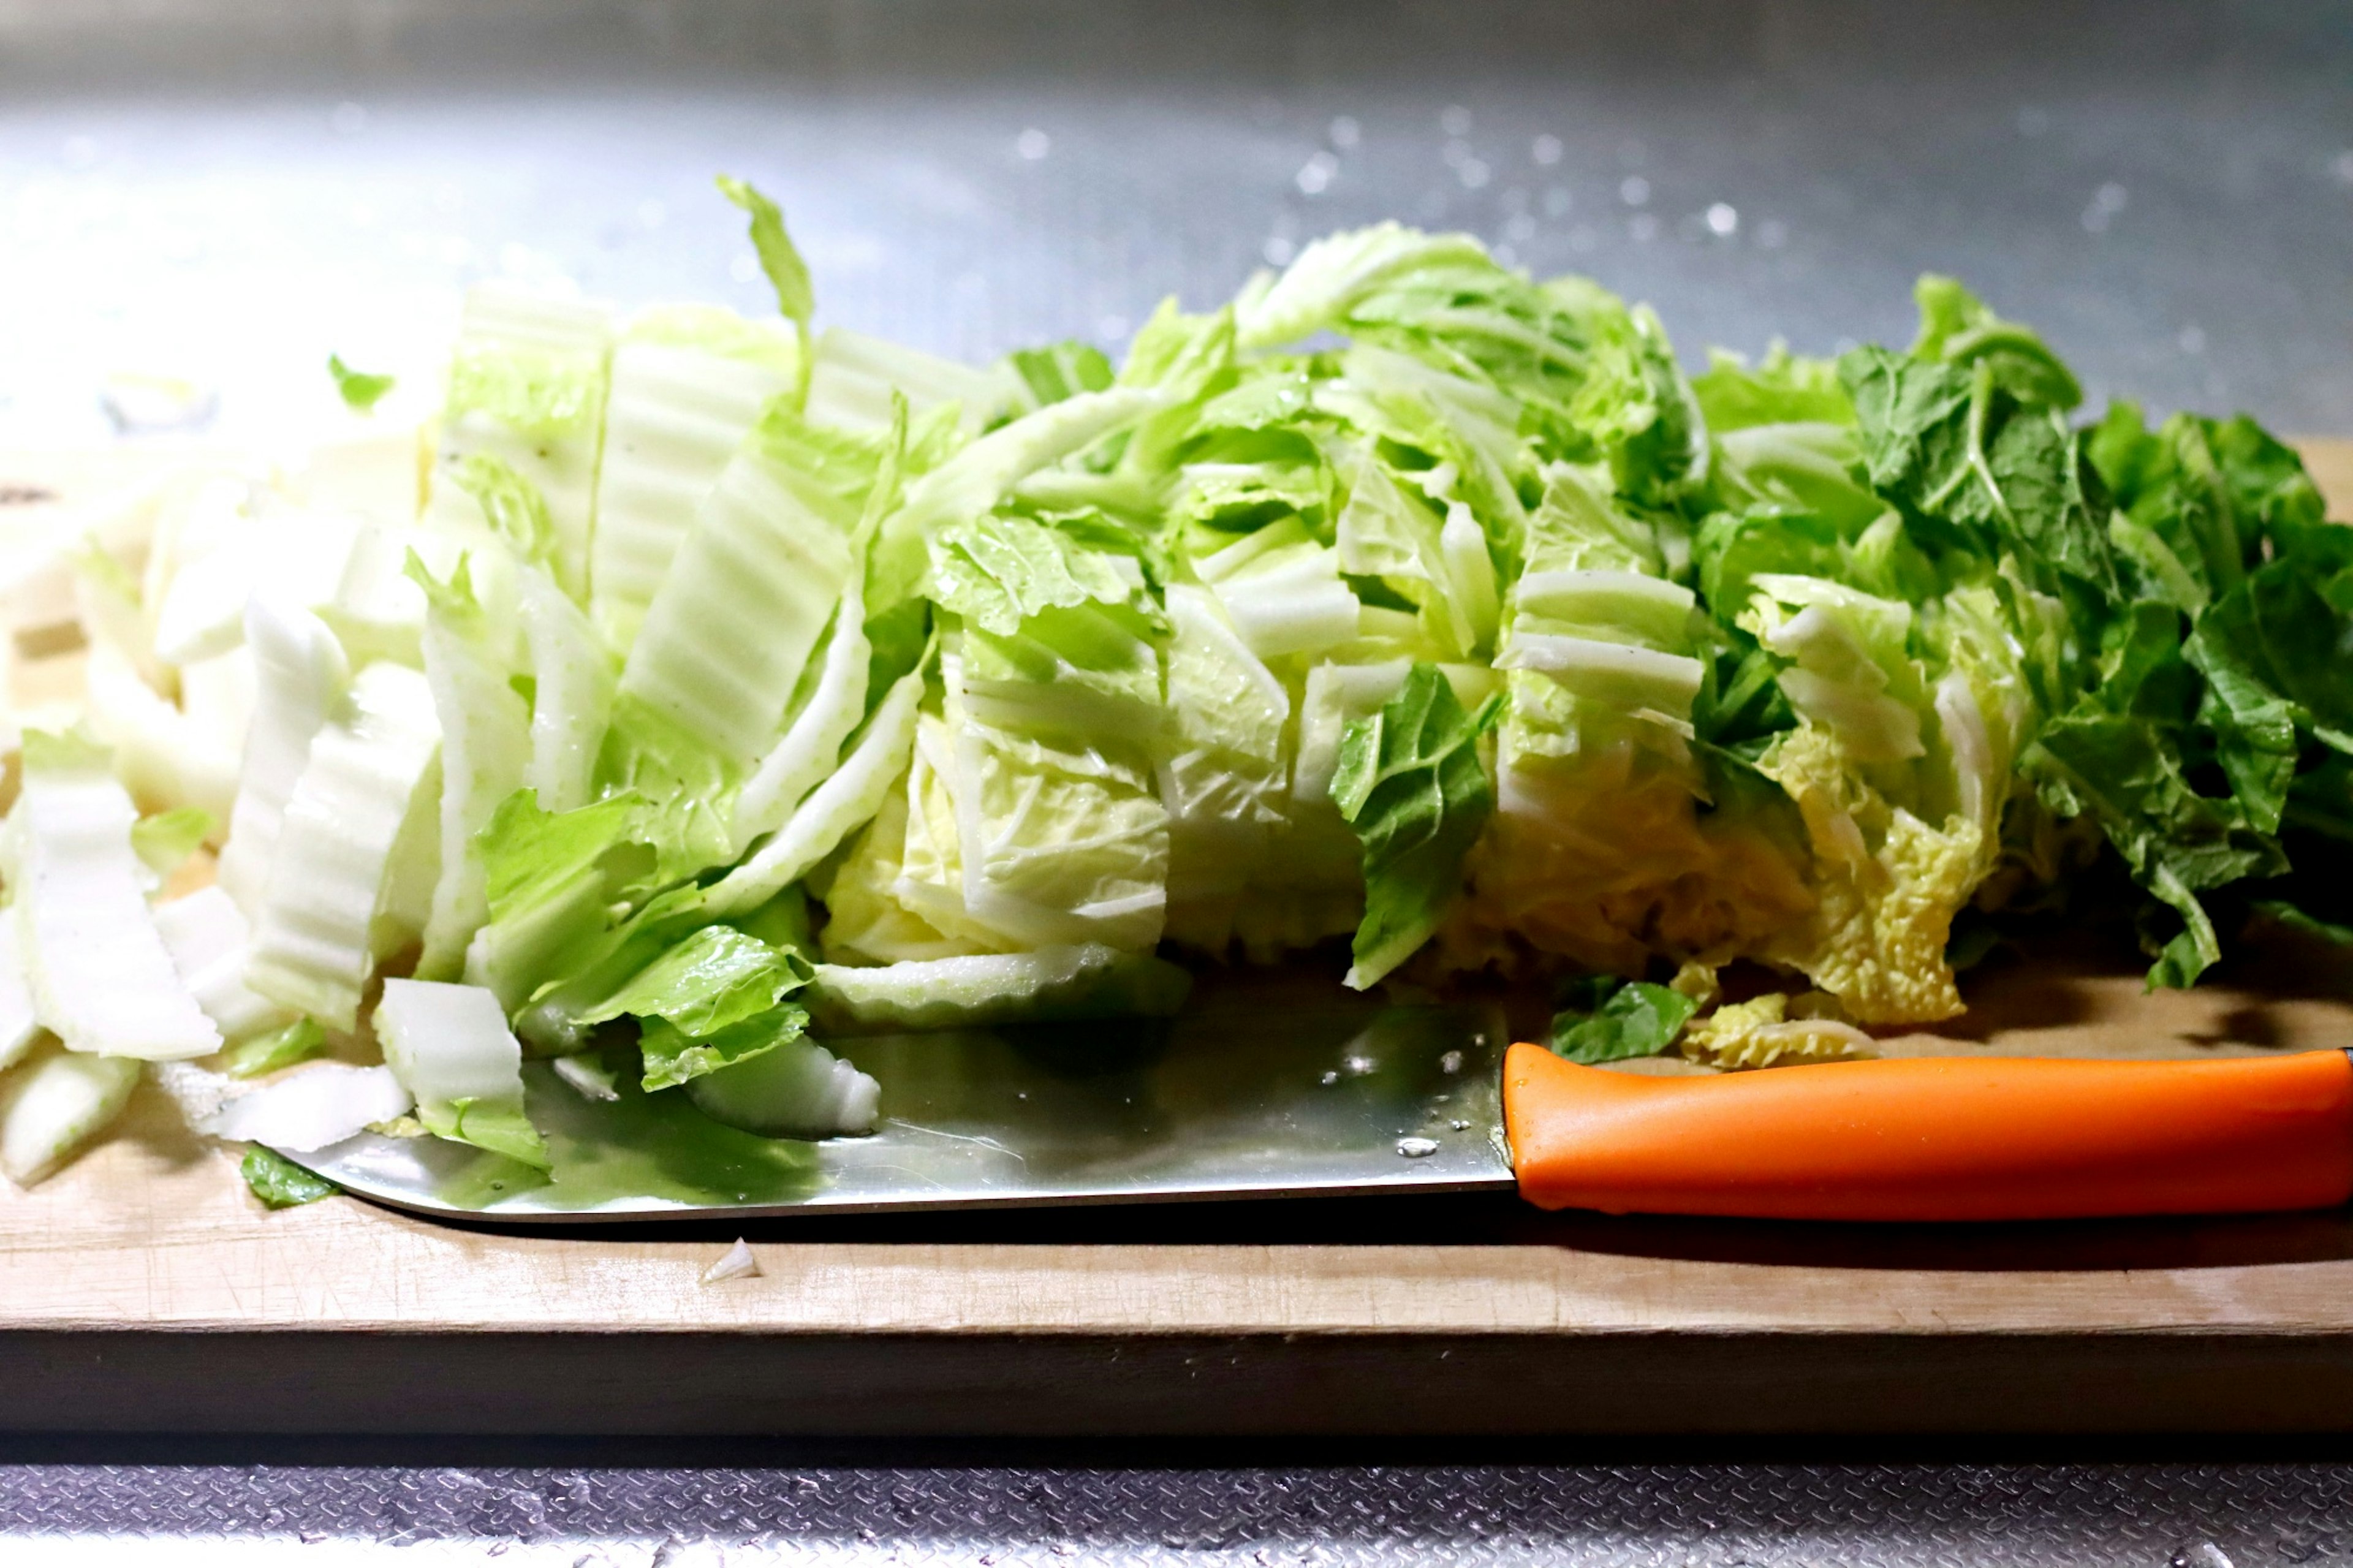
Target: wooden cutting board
[(142, 1289)]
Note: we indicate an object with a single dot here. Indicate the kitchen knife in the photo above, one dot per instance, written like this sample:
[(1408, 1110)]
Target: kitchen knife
[(1257, 1098)]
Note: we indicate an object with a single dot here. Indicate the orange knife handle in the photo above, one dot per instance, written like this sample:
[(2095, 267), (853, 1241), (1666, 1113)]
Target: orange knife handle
[(1936, 1137)]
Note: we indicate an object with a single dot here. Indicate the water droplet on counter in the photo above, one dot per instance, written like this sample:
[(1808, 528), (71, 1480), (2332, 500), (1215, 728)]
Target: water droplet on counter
[(1723, 219), (1460, 1125), (1328, 1079), (1545, 151), (1358, 1066), (1316, 175), (1451, 1062), (1635, 190), (1417, 1147)]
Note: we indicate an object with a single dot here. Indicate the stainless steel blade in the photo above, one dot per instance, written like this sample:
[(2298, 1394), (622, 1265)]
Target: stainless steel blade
[(1261, 1090)]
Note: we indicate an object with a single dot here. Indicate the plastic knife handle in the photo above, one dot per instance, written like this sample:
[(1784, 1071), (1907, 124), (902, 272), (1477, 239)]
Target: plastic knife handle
[(1936, 1137)]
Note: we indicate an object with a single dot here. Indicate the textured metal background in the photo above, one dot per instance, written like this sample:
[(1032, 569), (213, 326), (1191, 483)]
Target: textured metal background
[(230, 188), (1756, 1515)]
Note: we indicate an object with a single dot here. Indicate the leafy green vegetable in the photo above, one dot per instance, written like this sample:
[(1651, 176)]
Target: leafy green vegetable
[(360, 391), (1046, 986), (279, 1183), (788, 273), (674, 1057), (297, 1041), (1606, 1019), (164, 841), (997, 572), (716, 977), (1410, 782), (1062, 369), (514, 506)]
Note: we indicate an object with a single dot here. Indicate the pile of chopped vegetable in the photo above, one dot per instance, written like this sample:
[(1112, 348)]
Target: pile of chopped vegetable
[(725, 687)]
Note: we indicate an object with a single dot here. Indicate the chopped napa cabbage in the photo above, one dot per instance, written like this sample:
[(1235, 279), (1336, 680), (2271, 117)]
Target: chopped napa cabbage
[(264, 1054), (345, 884), (854, 378), (360, 390), (716, 977), (210, 941), (450, 1047), (485, 750), (527, 386), (573, 680), (811, 744), (166, 841), (1386, 532), (218, 697), (832, 811), (319, 1105), (278, 1183), (1616, 837), (1410, 782), (797, 1090), (1223, 772), (551, 879), (588, 1076), (688, 384), (1887, 886), (100, 977), (1283, 591), (300, 674), (1762, 1034), (1607, 1019), (779, 258), (19, 1023), (975, 480), (1851, 672), (168, 761), (1325, 280), (755, 583), (378, 610), (1047, 985), (53, 1105), (294, 557)]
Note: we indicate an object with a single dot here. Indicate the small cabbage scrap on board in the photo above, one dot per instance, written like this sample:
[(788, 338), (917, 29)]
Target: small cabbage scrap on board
[(690, 690)]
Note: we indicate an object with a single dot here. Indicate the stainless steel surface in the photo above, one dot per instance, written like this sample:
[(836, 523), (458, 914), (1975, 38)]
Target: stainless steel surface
[(1622, 1516), (231, 189), (1265, 1088)]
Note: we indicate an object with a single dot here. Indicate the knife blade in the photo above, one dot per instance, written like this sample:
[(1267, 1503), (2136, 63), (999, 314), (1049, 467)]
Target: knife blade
[(1257, 1092), (1254, 1095)]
